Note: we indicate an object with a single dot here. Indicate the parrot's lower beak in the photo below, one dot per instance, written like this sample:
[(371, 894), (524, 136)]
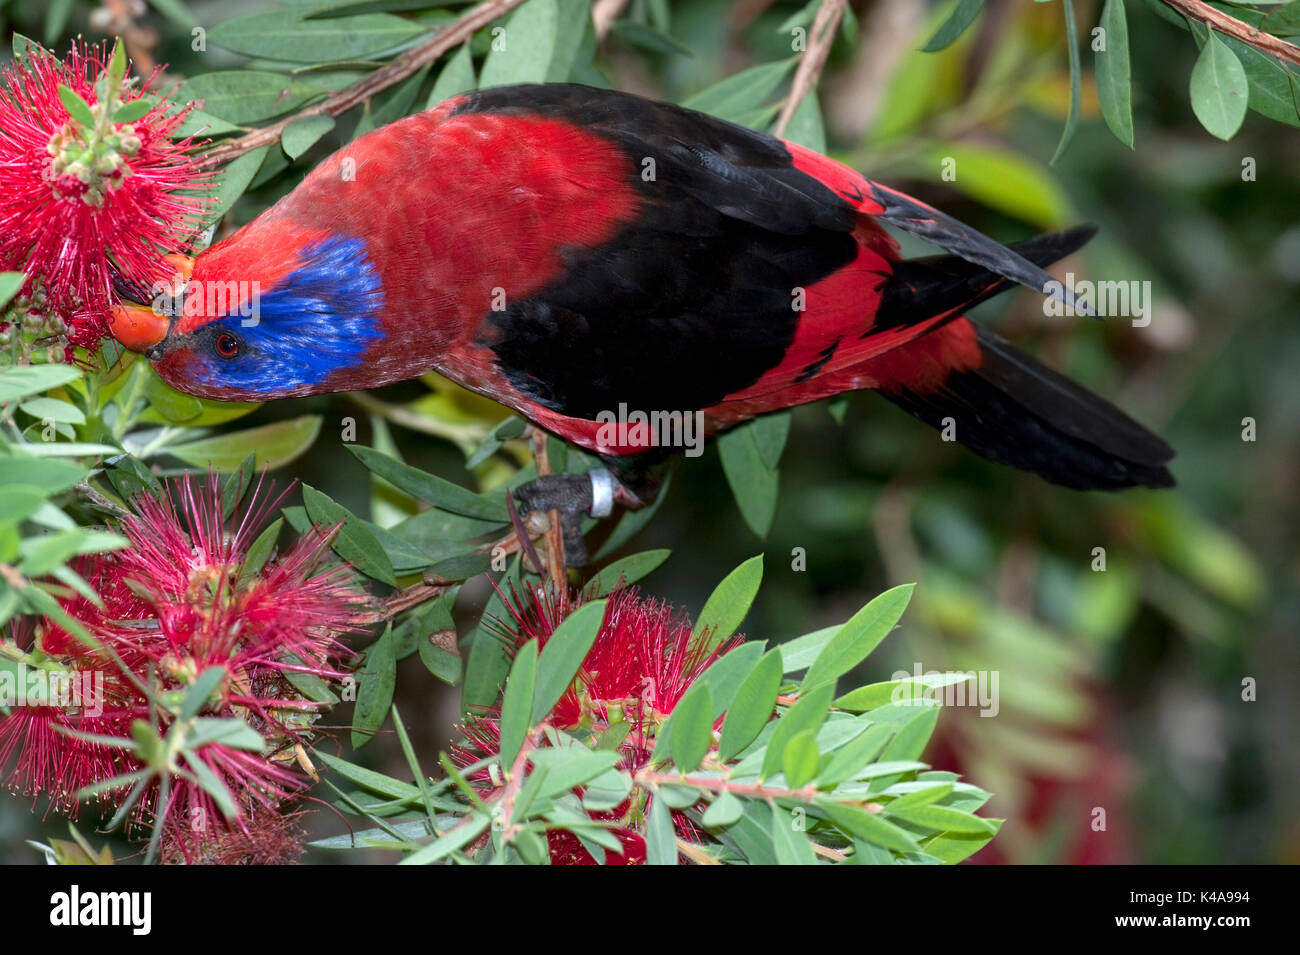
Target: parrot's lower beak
[(140, 328), (136, 327)]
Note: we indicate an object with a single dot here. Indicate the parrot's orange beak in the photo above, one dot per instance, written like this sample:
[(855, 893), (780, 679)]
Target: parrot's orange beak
[(138, 327)]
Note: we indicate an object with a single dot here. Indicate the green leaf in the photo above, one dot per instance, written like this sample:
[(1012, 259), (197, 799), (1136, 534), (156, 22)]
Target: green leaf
[(754, 485), (563, 654), (273, 445), (200, 691), (1114, 85), (752, 706), (724, 811), (233, 181), (375, 683), (24, 380), (1282, 21), (769, 433), (375, 782), (517, 704), (456, 77), (628, 570), (808, 713), (259, 552), (962, 16), (741, 93), (232, 732), (941, 818), (285, 35), (134, 110), (801, 759), (426, 487), (724, 674), (729, 603), (526, 50), (304, 132), (1219, 89), (868, 826), (955, 847), (858, 637), (355, 543), (77, 107), (10, 283), (1076, 83), (247, 96), (853, 757), (789, 841), (462, 835), (53, 409), (660, 837), (692, 727)]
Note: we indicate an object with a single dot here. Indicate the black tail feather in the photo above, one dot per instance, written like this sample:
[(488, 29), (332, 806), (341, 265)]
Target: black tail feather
[(1015, 410)]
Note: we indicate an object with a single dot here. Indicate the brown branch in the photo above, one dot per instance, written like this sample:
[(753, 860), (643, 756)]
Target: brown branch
[(820, 38), (555, 533), (381, 79), (603, 15), (1251, 36)]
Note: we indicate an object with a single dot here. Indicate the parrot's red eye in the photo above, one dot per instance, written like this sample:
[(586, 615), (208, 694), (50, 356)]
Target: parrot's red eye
[(227, 345)]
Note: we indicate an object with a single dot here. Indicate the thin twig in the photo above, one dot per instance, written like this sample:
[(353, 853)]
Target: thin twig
[(603, 15), (1251, 36), (381, 79), (555, 533), (820, 38)]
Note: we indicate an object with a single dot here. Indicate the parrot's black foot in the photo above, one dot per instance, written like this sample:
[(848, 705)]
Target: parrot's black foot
[(574, 496)]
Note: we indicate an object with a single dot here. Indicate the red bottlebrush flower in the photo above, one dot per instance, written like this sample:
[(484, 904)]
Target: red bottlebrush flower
[(642, 662), (181, 598), (89, 199)]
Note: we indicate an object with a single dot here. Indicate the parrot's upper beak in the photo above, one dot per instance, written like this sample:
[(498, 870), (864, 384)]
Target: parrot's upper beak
[(141, 327)]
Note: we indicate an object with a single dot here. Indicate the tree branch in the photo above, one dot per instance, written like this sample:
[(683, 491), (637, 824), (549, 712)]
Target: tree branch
[(1251, 36), (381, 79), (820, 38)]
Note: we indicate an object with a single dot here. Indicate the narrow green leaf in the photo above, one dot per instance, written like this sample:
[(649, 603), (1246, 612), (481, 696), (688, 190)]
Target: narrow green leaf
[(1219, 89), (355, 543), (1114, 85), (1076, 82), (869, 826), (754, 485), (660, 837), (751, 709), (692, 727), (858, 637), (563, 654), (517, 704), (801, 759), (628, 570), (963, 15), (304, 132), (808, 713), (429, 488), (789, 840), (729, 603), (375, 684), (723, 811), (77, 107)]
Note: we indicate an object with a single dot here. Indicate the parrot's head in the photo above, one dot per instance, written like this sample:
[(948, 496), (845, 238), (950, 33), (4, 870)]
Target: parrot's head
[(264, 314)]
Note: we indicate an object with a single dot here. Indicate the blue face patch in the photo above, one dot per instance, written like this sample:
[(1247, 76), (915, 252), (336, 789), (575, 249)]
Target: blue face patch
[(321, 318)]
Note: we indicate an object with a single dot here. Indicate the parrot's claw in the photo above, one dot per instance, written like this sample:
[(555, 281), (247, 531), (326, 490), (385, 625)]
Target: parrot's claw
[(574, 496)]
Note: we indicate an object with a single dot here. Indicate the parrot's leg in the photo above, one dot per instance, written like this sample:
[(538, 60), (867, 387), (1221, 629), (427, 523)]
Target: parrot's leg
[(574, 496)]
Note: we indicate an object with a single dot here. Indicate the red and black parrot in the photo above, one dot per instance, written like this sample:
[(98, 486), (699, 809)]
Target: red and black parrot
[(567, 250)]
